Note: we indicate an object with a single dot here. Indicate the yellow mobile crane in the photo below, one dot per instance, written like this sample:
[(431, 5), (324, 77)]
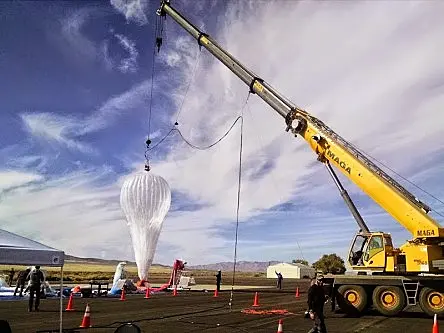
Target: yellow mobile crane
[(386, 277)]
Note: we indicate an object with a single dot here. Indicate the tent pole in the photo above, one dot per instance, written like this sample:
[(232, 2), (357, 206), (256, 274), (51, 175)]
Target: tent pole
[(61, 300)]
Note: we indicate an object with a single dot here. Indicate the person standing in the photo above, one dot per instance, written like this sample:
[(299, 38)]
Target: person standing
[(21, 280), (11, 277), (36, 278), (279, 280), (316, 301), (218, 279), (307, 312)]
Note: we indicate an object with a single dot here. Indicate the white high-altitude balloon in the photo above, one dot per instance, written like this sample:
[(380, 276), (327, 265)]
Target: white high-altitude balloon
[(145, 199)]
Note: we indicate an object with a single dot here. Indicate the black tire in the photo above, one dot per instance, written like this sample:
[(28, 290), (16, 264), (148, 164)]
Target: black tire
[(389, 300), (353, 299), (431, 301)]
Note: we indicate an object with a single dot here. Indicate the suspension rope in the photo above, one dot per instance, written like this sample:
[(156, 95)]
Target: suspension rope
[(241, 118), (239, 183), (158, 42), (174, 129), (189, 84)]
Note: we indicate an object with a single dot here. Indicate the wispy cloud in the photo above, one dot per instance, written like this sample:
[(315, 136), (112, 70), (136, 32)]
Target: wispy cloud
[(125, 64), (109, 64), (129, 64), (11, 179), (364, 80), (57, 211), (66, 130), (114, 107), (318, 70), (53, 128), (79, 44), (133, 10)]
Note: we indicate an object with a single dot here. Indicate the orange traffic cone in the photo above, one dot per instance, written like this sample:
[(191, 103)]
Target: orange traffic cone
[(122, 295), (70, 307), (216, 293), (435, 324), (86, 322), (175, 290), (280, 329), (256, 299), (297, 292), (147, 295)]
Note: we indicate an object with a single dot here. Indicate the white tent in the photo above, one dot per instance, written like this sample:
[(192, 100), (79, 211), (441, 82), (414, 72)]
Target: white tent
[(18, 250), (291, 271)]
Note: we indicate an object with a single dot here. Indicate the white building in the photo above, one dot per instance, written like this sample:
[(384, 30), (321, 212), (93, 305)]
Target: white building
[(291, 271)]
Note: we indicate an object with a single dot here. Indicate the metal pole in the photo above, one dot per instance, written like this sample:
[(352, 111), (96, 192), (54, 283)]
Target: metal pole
[(347, 199), (61, 300)]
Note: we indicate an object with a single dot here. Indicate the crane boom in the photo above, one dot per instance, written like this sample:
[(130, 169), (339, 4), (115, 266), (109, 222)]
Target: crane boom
[(402, 205)]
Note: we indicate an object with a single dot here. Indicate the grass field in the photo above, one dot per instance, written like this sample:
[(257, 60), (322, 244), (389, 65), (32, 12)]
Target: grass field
[(83, 272)]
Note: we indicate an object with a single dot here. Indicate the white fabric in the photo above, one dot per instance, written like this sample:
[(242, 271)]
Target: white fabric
[(18, 250), (145, 199)]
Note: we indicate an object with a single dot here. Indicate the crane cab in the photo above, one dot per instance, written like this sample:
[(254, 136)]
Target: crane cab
[(372, 253)]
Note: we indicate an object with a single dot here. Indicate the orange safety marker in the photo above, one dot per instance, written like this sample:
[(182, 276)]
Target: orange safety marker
[(435, 328), (297, 292), (70, 303), (122, 295), (147, 294), (256, 299), (216, 293), (86, 322), (280, 328), (175, 290)]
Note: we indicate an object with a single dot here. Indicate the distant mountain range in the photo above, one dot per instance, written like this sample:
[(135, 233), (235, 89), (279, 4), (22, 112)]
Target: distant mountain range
[(241, 266), (78, 260)]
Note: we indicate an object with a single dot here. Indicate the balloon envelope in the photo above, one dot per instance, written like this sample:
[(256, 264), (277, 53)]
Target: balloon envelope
[(145, 199)]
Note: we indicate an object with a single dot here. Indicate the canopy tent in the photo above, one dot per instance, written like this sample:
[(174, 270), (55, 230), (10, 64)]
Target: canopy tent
[(18, 250)]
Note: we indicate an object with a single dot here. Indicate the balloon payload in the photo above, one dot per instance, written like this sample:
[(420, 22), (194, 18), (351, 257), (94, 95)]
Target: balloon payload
[(145, 199)]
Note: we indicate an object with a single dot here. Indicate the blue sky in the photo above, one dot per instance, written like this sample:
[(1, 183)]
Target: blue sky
[(75, 93)]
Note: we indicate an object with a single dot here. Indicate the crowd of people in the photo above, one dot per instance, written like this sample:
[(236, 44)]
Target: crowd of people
[(36, 281)]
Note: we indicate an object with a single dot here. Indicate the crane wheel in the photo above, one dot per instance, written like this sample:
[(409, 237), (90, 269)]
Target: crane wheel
[(389, 300), (352, 299), (431, 301)]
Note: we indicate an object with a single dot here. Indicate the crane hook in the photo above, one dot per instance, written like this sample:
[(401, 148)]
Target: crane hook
[(158, 43)]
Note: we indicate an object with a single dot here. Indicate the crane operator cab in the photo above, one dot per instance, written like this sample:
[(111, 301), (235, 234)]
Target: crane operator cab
[(371, 252)]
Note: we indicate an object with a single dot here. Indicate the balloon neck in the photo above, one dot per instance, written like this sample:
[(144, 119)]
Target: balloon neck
[(147, 167), (143, 283)]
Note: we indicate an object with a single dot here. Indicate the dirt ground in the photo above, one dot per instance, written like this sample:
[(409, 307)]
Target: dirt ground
[(196, 311)]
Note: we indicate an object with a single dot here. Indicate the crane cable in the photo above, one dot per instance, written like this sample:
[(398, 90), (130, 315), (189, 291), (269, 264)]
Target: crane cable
[(158, 32), (189, 84), (241, 118), (175, 129), (406, 180), (239, 183), (158, 37)]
